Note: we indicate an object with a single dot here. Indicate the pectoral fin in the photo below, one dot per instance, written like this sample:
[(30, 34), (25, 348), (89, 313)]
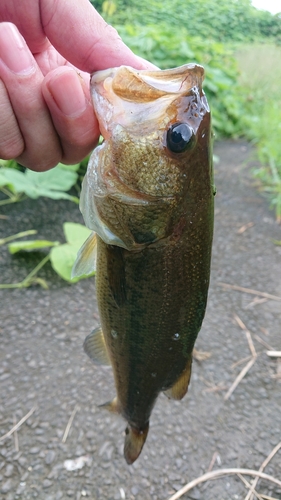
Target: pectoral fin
[(94, 346), (86, 258), (179, 389), (134, 441)]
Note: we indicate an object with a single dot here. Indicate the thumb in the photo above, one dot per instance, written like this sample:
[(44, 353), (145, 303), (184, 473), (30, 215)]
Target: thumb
[(82, 36)]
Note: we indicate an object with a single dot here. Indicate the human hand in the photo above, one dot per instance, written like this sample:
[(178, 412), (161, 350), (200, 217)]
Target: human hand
[(46, 111)]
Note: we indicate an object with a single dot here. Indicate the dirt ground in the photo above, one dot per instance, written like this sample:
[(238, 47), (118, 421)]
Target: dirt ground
[(43, 367)]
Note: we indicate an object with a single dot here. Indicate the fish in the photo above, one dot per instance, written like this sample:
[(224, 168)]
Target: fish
[(148, 198)]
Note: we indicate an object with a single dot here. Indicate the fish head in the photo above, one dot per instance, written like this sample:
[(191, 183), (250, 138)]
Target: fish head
[(156, 126)]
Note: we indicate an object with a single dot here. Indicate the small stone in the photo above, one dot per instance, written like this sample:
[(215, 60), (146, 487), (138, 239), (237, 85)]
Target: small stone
[(32, 364), (47, 483), (7, 486), (9, 470), (134, 490), (22, 461), (50, 457), (34, 450), (195, 494), (21, 488)]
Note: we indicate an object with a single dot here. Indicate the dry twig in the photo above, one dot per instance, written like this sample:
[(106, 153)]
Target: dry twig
[(17, 426), (250, 363), (262, 467), (256, 302), (217, 473), (212, 463), (16, 438), (201, 355), (250, 290), (216, 388), (238, 379), (69, 423), (248, 485), (265, 497), (264, 343), (243, 228), (247, 333), (274, 354), (241, 361)]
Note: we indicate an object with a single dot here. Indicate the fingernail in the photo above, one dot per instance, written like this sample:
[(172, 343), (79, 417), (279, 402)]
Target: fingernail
[(67, 92), (14, 51)]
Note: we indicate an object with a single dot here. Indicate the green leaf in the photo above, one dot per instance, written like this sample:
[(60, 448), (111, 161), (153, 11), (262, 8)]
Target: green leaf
[(75, 233), (72, 168), (14, 179), (51, 184), (20, 246), (62, 260), (57, 179), (63, 256)]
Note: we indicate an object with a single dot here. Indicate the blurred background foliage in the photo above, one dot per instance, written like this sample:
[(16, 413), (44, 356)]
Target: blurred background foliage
[(240, 49)]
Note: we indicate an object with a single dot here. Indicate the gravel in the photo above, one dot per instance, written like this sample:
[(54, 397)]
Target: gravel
[(43, 366)]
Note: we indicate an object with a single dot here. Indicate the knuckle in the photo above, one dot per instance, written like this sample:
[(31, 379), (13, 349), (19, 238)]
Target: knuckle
[(38, 164), (11, 147)]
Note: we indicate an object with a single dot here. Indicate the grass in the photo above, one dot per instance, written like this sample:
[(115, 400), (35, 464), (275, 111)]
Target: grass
[(260, 78)]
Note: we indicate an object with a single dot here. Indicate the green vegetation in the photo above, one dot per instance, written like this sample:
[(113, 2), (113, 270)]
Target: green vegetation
[(17, 185), (168, 48), (61, 255), (224, 20), (260, 79), (240, 49)]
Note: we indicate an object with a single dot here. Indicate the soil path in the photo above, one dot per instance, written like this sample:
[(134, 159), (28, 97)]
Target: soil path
[(43, 366)]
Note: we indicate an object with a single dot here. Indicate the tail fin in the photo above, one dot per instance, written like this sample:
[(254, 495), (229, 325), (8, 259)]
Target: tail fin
[(134, 441)]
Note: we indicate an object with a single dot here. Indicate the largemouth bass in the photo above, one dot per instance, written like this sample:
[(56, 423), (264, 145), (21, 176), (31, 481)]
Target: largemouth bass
[(148, 197)]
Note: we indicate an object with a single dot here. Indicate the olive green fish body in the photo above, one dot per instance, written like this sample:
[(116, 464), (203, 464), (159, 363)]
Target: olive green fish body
[(148, 195)]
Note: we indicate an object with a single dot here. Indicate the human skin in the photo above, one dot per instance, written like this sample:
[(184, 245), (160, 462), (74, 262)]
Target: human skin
[(48, 48)]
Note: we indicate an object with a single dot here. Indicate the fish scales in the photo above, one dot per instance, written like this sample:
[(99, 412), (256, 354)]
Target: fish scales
[(148, 194)]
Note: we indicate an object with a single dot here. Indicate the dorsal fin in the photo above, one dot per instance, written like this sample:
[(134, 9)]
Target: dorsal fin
[(86, 258), (179, 389), (94, 346)]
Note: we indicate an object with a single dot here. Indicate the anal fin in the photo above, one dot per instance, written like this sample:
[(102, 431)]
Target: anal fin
[(112, 406), (86, 258), (134, 441), (179, 389), (94, 346)]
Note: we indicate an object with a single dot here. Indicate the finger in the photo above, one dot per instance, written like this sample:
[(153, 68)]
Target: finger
[(50, 59), (25, 14), (11, 141), (68, 99), (82, 36), (23, 80)]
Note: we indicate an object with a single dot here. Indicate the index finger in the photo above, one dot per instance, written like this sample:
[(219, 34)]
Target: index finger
[(82, 36)]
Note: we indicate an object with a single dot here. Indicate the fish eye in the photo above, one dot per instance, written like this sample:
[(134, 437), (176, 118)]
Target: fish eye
[(180, 137)]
